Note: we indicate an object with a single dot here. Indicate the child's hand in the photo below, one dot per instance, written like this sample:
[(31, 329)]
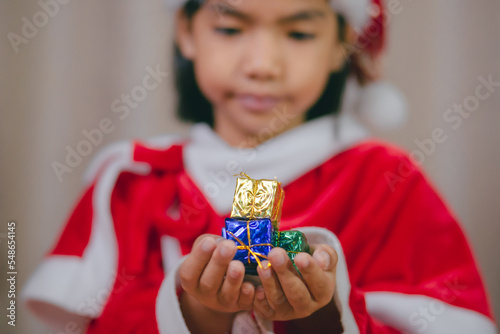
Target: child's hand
[(284, 295), (210, 276)]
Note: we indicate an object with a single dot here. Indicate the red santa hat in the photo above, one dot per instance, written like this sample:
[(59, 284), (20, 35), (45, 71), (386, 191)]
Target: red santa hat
[(378, 103)]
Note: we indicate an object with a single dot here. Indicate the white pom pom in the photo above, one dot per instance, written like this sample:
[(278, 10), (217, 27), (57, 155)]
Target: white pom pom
[(382, 105)]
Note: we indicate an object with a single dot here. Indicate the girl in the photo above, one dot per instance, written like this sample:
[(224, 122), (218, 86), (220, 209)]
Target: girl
[(264, 81)]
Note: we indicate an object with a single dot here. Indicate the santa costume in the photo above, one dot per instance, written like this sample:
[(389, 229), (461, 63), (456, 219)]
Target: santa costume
[(404, 263)]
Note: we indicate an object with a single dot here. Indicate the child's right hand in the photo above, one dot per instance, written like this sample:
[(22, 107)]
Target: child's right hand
[(210, 276)]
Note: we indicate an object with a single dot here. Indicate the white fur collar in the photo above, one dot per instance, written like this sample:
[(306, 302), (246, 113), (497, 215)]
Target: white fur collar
[(211, 162)]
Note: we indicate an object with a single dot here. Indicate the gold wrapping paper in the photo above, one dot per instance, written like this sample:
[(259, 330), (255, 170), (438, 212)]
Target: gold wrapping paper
[(254, 199)]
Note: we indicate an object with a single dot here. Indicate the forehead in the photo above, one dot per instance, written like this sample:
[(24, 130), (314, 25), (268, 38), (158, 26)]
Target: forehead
[(277, 11)]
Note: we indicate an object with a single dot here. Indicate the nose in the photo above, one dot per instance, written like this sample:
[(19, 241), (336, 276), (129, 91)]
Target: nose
[(263, 57)]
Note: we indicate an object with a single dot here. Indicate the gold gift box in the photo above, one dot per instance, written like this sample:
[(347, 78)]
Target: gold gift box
[(255, 199)]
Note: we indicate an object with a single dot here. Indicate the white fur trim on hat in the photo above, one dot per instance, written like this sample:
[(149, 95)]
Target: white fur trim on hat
[(355, 11)]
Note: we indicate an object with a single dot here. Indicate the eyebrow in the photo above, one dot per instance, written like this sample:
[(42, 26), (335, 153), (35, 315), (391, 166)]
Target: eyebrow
[(305, 15)]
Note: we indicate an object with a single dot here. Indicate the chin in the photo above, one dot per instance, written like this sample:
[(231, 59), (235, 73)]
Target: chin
[(255, 125)]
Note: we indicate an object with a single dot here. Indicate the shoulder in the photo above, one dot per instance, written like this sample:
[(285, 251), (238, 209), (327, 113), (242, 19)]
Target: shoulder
[(378, 155), (131, 155), (372, 148), (392, 167), (374, 164)]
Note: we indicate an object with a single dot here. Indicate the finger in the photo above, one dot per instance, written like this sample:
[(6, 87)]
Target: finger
[(212, 276), (214, 237), (230, 290), (326, 257), (291, 283), (261, 306), (274, 294), (247, 295), (320, 285), (192, 268)]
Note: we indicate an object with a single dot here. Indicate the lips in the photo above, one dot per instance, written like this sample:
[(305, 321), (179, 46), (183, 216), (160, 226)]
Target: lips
[(258, 103)]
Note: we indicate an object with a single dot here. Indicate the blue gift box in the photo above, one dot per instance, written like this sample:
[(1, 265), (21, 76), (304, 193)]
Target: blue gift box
[(253, 238)]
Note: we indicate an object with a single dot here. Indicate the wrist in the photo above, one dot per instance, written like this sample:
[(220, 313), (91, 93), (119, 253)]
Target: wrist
[(324, 320), (202, 319)]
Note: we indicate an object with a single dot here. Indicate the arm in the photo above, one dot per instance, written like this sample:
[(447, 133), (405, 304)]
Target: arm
[(89, 281), (305, 300), (325, 320), (50, 292), (213, 290), (408, 265), (201, 319), (340, 308)]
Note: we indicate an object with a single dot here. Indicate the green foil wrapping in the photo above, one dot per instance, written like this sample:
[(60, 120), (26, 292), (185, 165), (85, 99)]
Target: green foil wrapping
[(293, 242)]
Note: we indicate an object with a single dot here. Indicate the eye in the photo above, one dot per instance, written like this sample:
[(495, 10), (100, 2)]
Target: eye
[(227, 31), (300, 36)]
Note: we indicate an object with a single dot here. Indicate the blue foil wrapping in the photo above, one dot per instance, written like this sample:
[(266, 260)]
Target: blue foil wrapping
[(260, 241)]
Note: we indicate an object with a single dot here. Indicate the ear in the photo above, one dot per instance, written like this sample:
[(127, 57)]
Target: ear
[(184, 36)]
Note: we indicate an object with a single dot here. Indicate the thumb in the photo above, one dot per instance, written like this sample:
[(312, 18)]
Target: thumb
[(326, 257)]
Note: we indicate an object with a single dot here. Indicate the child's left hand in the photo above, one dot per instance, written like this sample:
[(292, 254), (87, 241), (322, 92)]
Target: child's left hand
[(284, 295)]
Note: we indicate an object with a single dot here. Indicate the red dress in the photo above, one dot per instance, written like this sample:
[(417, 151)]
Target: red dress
[(404, 263)]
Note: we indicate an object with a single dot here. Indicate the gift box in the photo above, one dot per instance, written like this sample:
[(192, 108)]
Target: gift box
[(255, 199), (293, 242), (253, 238)]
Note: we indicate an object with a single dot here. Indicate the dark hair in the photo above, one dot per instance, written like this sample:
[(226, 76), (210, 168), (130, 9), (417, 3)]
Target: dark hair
[(194, 107)]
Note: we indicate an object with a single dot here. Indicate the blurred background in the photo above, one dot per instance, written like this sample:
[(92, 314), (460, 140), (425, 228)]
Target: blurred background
[(59, 80)]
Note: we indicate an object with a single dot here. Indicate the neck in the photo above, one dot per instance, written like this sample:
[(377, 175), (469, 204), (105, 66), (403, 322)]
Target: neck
[(235, 137)]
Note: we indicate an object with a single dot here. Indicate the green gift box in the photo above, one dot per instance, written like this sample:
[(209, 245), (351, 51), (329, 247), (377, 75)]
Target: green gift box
[(293, 242)]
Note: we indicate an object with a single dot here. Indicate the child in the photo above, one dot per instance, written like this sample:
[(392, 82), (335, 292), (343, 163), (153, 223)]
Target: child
[(264, 81)]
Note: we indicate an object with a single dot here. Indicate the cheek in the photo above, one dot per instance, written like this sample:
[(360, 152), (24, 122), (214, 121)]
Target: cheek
[(308, 79), (310, 68), (213, 71)]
